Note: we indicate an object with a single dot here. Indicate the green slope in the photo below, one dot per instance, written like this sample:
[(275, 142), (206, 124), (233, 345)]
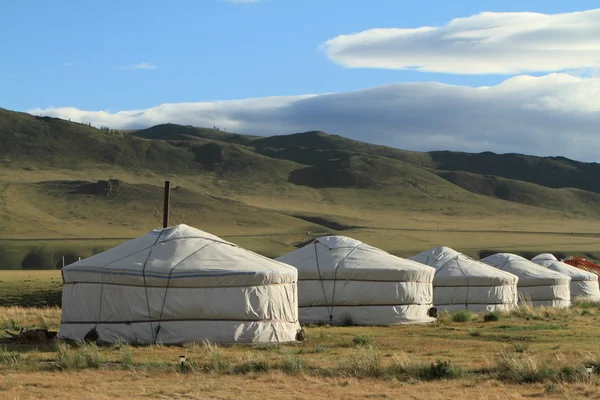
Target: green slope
[(54, 176), (565, 200)]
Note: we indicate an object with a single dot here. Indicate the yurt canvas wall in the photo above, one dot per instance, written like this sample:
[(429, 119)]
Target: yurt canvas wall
[(341, 280), (541, 286), (584, 284), (463, 283), (180, 285)]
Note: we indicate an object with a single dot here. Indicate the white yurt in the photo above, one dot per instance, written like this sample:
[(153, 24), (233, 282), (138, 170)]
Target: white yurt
[(538, 285), (463, 283), (179, 285), (584, 284), (344, 281)]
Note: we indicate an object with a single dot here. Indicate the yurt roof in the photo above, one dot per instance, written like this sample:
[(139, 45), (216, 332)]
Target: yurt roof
[(453, 267), (529, 273), (550, 261), (339, 257), (179, 256)]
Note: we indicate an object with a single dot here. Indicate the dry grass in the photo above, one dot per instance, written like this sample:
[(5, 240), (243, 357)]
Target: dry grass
[(275, 385), (534, 352), (16, 317), (492, 224)]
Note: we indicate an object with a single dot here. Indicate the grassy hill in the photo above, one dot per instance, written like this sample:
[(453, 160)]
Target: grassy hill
[(62, 183)]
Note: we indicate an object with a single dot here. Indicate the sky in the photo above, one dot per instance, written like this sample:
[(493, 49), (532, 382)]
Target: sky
[(503, 76)]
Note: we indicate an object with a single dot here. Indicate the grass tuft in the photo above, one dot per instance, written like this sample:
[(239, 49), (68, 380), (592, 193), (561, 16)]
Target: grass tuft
[(442, 370), (462, 316), (492, 316), (520, 347), (215, 358), (292, 364), (251, 365), (585, 304), (407, 368), (83, 356), (365, 364), (10, 357), (126, 357), (523, 369), (362, 339)]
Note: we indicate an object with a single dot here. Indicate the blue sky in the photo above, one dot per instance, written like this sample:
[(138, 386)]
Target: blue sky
[(205, 49), (426, 75)]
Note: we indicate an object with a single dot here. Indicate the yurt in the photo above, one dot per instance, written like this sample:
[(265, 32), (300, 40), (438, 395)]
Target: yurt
[(179, 285), (584, 284), (344, 281), (582, 263), (463, 283), (538, 285)]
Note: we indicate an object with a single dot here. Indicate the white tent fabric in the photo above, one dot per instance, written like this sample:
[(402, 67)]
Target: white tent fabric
[(540, 285), (180, 285), (463, 283), (584, 284), (342, 280)]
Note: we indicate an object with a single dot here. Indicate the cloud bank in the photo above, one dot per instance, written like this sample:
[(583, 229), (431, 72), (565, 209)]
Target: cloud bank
[(557, 114), (486, 43)]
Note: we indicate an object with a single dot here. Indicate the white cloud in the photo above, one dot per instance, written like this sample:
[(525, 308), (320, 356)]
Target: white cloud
[(142, 65), (68, 64), (557, 114), (486, 43)]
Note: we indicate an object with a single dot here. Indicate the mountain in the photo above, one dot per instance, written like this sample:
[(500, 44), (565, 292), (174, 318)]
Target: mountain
[(312, 159), (312, 148), (61, 179)]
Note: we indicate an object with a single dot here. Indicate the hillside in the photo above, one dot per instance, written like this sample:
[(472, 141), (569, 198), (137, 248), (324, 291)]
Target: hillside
[(312, 148), (553, 172), (60, 179)]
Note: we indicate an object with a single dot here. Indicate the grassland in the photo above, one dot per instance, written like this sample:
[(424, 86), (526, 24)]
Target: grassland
[(43, 215), (529, 353), (30, 288)]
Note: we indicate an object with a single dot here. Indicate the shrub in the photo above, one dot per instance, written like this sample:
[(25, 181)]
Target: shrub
[(492, 316), (462, 316), (362, 339), (587, 313)]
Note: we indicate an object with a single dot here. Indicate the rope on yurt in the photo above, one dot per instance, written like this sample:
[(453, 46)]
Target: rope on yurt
[(335, 281), (144, 276), (322, 284), (162, 308), (466, 277), (102, 284)]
